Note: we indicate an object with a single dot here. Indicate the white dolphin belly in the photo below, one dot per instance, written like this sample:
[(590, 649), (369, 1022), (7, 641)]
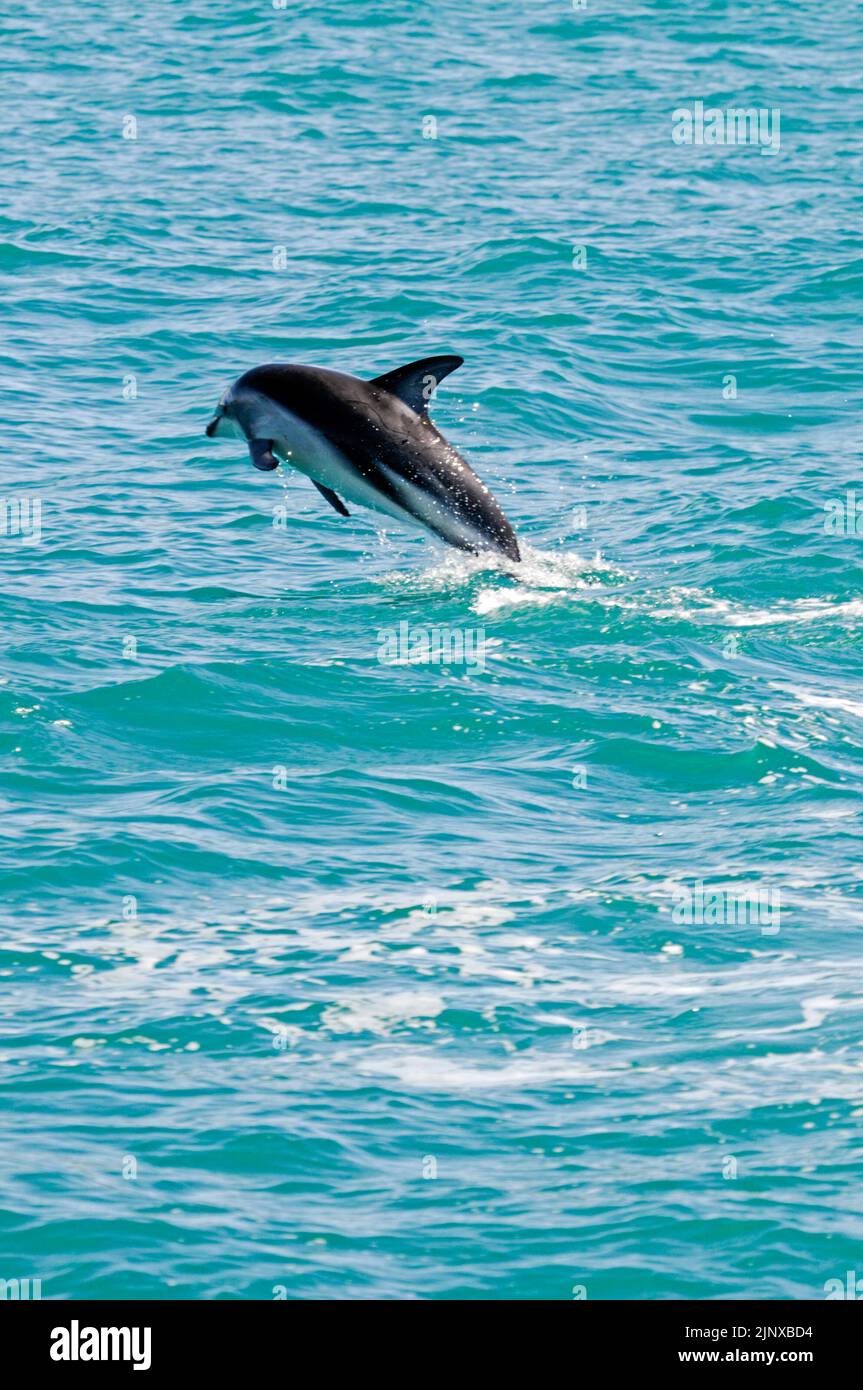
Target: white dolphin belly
[(311, 453)]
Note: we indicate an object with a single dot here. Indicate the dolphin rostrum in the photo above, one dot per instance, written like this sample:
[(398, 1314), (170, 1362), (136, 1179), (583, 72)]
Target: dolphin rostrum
[(369, 441)]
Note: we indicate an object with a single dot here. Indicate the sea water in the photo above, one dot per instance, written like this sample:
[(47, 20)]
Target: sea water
[(382, 922)]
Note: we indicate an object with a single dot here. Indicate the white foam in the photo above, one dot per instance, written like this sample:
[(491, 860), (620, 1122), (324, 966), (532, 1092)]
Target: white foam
[(381, 1012), (543, 577), (698, 606), (815, 699)]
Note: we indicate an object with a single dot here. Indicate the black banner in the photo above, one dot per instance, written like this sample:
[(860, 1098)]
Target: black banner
[(85, 1339)]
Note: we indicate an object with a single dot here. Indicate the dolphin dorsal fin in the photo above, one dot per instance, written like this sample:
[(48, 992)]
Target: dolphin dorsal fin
[(416, 383)]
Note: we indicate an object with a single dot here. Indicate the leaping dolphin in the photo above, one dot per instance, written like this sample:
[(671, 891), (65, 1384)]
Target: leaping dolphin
[(369, 441)]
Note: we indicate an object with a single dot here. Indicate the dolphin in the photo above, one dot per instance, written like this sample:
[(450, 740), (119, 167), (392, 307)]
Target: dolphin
[(371, 442)]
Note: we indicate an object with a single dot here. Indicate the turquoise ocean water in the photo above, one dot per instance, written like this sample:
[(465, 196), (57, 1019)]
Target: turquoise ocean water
[(339, 977)]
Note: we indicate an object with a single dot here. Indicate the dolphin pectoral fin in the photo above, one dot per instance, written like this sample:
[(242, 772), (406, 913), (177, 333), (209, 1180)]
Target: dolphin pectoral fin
[(334, 500), (262, 456), (416, 383)]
